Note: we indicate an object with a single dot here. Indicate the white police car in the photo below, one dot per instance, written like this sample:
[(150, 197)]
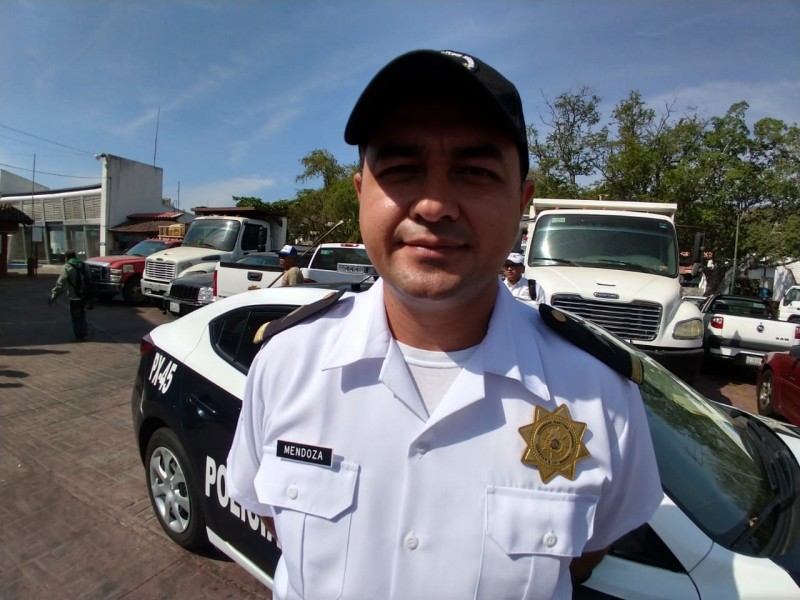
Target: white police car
[(728, 527)]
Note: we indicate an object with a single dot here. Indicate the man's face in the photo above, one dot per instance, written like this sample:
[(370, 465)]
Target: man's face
[(512, 271), (286, 261), (441, 199)]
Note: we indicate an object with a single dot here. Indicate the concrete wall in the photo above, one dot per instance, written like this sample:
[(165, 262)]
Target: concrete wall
[(128, 187)]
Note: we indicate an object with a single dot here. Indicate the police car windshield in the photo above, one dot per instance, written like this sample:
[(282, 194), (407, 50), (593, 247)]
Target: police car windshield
[(711, 468)]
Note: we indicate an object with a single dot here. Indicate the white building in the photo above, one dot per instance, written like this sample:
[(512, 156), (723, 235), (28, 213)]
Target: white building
[(80, 218)]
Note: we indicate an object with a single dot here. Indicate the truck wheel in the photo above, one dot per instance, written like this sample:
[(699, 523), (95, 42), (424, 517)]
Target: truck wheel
[(764, 395), (173, 492), (132, 292)]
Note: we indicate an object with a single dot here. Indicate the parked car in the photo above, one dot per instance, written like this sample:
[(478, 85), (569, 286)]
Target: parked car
[(193, 290), (728, 526), (778, 385), (743, 329)]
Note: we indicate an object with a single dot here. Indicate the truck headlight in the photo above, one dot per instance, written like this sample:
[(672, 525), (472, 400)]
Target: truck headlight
[(206, 294), (690, 329), (115, 275)]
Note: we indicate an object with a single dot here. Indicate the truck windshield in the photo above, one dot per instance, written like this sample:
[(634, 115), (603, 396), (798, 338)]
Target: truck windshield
[(220, 234), (606, 242), (146, 248)]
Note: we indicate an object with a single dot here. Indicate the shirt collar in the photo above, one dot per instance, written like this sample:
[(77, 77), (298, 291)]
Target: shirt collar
[(511, 347)]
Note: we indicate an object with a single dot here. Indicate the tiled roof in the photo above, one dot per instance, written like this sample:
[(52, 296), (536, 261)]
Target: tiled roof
[(164, 215), (11, 214), (140, 226)]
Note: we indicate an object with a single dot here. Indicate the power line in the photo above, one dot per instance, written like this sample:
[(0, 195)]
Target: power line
[(46, 140), (46, 173)]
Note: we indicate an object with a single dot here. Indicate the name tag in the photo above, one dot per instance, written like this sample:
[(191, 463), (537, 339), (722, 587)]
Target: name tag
[(316, 455)]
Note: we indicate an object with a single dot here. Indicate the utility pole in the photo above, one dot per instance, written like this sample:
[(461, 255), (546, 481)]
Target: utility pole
[(732, 287)]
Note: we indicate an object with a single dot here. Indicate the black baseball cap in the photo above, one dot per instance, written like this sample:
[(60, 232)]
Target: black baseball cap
[(427, 72)]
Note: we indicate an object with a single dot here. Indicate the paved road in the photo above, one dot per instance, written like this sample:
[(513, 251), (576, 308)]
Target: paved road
[(75, 518)]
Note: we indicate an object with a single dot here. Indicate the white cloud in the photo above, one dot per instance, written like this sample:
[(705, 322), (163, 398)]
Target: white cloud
[(779, 100), (220, 193)]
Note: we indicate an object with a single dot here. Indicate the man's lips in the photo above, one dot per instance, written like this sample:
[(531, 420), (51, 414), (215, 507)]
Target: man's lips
[(434, 246)]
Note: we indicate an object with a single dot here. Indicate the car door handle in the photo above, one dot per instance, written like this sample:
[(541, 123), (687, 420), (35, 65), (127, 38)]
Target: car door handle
[(254, 276), (204, 411)]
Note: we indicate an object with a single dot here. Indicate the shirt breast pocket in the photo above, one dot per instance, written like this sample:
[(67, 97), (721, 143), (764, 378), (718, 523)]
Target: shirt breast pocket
[(532, 536), (312, 506)]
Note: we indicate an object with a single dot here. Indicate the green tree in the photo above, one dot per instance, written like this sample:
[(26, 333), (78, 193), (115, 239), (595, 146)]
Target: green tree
[(568, 152), (318, 209)]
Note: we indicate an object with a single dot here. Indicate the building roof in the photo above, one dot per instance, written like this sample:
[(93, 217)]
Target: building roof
[(11, 214), (151, 216), (149, 226)]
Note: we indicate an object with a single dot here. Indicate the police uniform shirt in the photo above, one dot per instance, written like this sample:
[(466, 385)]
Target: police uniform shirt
[(440, 507)]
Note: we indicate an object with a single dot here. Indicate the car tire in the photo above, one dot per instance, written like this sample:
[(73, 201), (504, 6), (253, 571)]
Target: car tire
[(132, 291), (765, 395), (173, 491)]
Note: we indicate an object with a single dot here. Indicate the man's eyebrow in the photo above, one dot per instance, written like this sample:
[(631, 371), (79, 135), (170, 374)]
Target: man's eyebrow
[(392, 150), (487, 150)]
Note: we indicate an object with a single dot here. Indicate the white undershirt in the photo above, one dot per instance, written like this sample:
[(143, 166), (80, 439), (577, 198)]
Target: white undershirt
[(433, 371)]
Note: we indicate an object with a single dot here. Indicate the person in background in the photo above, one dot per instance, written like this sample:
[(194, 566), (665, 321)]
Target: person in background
[(76, 279), (429, 437), (518, 285), (292, 275)]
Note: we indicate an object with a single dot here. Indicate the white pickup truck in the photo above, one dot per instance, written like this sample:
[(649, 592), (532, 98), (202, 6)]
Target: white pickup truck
[(339, 263), (332, 264), (743, 329)]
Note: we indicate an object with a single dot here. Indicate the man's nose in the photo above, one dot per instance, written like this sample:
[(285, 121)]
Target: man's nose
[(436, 200)]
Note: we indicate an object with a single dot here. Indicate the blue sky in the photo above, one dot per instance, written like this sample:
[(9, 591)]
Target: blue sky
[(246, 89)]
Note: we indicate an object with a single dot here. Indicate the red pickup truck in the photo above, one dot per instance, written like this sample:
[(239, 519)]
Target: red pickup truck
[(123, 273)]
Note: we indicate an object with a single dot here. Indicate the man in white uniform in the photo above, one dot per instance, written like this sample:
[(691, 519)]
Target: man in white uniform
[(518, 285), (429, 438)]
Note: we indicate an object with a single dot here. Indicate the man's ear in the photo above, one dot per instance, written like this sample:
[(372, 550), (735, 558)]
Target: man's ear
[(357, 183), (528, 189)]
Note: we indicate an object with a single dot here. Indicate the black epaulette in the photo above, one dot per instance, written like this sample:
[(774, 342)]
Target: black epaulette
[(270, 328), (616, 357)]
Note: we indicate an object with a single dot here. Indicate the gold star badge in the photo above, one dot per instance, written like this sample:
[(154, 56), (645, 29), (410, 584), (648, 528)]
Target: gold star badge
[(554, 443)]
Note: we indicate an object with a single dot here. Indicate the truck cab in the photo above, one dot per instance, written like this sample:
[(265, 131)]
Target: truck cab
[(617, 265), (227, 236), (122, 274), (789, 306)]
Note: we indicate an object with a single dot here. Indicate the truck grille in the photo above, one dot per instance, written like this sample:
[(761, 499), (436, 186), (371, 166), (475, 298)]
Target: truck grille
[(99, 272), (163, 271), (183, 292), (635, 321)]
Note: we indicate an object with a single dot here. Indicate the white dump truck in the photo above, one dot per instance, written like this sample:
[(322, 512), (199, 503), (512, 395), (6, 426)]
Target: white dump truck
[(218, 235), (616, 263)]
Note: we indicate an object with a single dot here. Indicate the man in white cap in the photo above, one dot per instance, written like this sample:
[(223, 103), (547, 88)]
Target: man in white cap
[(292, 275), (518, 285), (429, 438)]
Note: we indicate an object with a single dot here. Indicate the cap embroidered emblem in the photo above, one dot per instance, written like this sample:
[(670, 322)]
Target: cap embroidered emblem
[(465, 59), (554, 443)]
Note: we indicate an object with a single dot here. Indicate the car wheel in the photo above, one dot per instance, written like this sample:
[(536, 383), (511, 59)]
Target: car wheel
[(766, 405), (173, 492), (132, 292)]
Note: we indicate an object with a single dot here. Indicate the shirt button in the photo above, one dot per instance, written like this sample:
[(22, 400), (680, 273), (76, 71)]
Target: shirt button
[(292, 492), (422, 448), (412, 541), (550, 539)]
